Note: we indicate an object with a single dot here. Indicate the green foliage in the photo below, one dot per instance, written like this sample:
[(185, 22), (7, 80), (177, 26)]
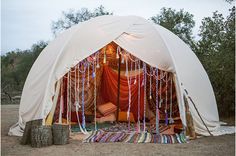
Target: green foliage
[(216, 50), (180, 23), (15, 66), (73, 17)]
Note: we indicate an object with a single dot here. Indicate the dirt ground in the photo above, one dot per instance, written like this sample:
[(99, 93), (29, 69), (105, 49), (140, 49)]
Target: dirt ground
[(222, 145)]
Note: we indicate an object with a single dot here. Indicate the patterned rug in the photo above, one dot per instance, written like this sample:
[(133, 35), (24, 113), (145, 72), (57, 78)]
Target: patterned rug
[(121, 127), (133, 137)]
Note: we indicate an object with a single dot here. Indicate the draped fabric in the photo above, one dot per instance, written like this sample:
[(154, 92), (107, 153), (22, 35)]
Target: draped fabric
[(109, 91)]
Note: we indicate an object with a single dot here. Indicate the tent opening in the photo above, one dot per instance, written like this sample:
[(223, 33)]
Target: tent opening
[(114, 91)]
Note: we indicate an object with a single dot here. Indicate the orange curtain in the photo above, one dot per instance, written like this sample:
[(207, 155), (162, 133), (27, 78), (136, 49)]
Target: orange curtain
[(109, 86)]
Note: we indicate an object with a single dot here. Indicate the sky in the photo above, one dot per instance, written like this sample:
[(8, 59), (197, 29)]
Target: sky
[(25, 22)]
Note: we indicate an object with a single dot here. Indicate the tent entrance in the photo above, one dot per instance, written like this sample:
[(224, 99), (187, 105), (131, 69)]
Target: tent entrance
[(88, 94)]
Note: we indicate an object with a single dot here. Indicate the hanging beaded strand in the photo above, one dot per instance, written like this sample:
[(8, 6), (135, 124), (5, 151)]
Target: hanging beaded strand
[(166, 114), (83, 113), (144, 102), (95, 95), (171, 121), (157, 109), (77, 108), (88, 74), (70, 101)]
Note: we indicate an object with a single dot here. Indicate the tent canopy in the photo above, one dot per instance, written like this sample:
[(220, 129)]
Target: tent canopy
[(152, 43)]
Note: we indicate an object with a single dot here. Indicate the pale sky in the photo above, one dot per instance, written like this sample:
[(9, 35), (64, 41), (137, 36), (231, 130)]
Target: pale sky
[(24, 22)]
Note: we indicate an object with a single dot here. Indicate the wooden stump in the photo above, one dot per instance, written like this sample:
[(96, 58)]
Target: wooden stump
[(26, 139), (41, 136), (60, 134)]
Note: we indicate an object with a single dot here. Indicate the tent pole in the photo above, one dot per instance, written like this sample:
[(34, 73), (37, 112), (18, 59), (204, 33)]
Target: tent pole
[(198, 112), (118, 90)]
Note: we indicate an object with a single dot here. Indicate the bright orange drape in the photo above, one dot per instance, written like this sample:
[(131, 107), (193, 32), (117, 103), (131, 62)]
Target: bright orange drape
[(109, 86)]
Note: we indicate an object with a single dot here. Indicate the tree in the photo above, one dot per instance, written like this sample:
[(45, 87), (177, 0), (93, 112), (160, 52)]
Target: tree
[(216, 50), (15, 66), (180, 23), (73, 17)]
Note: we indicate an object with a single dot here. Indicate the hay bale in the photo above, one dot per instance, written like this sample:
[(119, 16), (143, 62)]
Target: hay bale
[(41, 136), (60, 134), (26, 139)]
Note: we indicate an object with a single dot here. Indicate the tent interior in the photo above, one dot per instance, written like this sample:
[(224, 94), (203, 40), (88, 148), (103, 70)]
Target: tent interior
[(114, 91)]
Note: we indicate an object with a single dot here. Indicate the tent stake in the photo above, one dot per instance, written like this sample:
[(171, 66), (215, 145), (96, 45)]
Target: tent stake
[(118, 90), (198, 112)]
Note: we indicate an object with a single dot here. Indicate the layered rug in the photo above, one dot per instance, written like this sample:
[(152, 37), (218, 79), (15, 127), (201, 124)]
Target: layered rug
[(101, 136)]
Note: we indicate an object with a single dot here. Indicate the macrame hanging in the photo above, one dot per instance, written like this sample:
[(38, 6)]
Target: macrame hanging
[(166, 113), (144, 102), (171, 120), (157, 109), (95, 95)]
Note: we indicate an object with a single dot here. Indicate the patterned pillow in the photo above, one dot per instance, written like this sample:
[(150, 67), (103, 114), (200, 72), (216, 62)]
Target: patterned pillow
[(107, 108)]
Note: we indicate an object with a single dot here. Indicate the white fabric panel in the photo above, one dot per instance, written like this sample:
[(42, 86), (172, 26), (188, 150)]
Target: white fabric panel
[(194, 79), (151, 43)]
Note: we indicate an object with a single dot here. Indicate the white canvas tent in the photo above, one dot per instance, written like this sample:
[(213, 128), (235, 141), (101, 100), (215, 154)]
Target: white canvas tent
[(152, 43)]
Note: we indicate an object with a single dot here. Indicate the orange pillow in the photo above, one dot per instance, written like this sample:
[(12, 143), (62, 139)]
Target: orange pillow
[(123, 117), (107, 108)]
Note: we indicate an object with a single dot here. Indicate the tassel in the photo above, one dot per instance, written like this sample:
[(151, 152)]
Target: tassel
[(118, 52)]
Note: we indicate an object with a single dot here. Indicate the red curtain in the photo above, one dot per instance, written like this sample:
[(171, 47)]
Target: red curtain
[(109, 86)]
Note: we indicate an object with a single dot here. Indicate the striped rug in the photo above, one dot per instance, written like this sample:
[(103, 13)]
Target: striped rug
[(133, 137)]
